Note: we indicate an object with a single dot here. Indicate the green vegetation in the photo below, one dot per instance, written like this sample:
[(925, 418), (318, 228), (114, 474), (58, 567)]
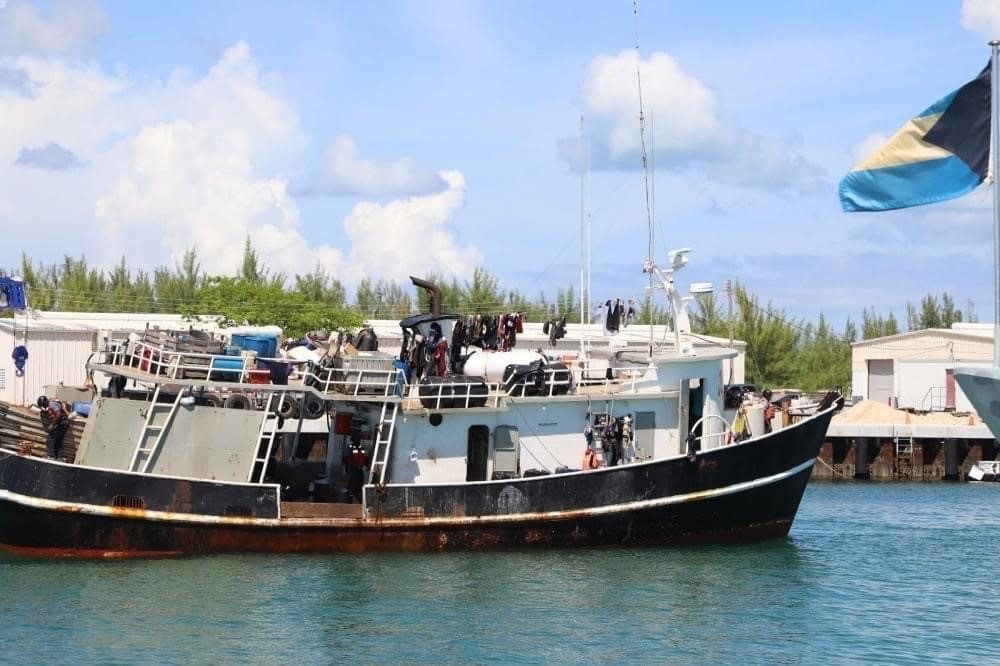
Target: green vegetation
[(784, 352), (780, 351)]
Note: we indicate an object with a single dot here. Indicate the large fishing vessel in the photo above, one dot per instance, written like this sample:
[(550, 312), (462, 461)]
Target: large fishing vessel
[(456, 442), (180, 453)]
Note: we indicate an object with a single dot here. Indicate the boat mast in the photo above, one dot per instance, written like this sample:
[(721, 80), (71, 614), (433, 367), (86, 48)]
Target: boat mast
[(645, 172), (584, 247), (995, 133)]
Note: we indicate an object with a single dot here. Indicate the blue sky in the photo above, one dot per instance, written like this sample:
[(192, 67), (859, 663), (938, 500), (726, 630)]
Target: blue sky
[(399, 137)]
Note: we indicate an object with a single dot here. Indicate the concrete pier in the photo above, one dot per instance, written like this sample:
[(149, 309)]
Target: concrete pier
[(903, 452)]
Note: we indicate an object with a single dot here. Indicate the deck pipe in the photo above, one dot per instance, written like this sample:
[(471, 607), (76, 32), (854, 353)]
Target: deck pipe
[(434, 291)]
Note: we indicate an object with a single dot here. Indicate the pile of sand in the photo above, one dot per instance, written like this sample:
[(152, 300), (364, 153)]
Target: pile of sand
[(869, 411)]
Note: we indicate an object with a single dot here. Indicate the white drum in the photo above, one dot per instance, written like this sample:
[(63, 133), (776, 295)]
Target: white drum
[(491, 364)]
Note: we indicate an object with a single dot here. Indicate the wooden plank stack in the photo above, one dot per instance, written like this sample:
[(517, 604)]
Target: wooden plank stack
[(21, 428)]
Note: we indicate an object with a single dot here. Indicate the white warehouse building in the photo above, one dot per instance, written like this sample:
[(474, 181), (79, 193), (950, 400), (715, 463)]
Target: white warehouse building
[(59, 344), (915, 370)]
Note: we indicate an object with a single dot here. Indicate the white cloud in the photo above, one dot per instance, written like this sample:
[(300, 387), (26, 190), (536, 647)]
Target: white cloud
[(62, 25), (195, 185), (982, 16), (686, 111), (346, 172), (410, 236), (684, 120), (868, 146), (193, 160)]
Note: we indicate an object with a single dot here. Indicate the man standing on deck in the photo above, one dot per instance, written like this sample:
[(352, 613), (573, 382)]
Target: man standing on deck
[(56, 420)]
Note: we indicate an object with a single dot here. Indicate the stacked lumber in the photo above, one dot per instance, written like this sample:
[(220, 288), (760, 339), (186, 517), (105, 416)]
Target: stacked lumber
[(21, 428)]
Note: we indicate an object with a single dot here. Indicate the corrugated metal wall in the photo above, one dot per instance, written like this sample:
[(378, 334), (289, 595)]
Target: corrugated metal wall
[(53, 357)]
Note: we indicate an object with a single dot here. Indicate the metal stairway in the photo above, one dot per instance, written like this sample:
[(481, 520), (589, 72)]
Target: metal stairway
[(265, 438), (383, 441), (159, 415)]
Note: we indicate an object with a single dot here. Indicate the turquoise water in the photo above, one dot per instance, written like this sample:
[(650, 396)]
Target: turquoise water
[(873, 573)]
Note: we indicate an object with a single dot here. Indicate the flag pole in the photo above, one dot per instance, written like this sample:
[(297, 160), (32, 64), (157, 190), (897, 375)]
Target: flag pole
[(994, 144)]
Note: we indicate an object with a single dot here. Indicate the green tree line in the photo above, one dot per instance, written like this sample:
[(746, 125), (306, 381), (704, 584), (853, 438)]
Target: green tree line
[(785, 352), (780, 351)]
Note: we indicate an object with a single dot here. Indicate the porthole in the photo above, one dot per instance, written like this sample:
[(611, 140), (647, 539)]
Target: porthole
[(436, 419)]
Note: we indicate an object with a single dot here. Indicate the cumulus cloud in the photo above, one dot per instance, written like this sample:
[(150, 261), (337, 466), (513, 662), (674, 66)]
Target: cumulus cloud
[(688, 127), (58, 26), (345, 172), (192, 160), (982, 16), (410, 236), (868, 146), (50, 156)]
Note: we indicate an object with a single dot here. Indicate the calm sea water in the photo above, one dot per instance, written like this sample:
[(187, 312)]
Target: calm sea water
[(885, 573)]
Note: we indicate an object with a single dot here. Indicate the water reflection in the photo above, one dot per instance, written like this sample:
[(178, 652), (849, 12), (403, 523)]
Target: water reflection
[(871, 572)]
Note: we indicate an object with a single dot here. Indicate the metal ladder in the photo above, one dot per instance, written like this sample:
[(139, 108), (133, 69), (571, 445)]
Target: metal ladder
[(265, 439), (153, 429), (383, 441), (904, 458)]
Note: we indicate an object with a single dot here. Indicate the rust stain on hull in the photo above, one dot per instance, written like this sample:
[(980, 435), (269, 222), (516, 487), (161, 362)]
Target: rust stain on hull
[(365, 541)]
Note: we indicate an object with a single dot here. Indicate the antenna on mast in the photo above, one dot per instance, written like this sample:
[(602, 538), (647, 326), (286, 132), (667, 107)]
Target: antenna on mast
[(645, 174), (642, 134), (584, 245)]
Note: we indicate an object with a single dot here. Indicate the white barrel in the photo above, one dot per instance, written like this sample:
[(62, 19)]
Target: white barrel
[(755, 419), (492, 364)]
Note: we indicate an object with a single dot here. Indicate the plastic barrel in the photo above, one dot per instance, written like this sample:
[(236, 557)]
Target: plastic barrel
[(266, 346), (226, 368)]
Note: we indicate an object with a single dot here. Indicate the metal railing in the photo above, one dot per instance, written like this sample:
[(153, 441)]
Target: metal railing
[(934, 399), (460, 395), (169, 364), (356, 382), (359, 379), (726, 432)]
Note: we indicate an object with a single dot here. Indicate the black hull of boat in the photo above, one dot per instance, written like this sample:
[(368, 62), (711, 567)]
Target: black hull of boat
[(744, 492)]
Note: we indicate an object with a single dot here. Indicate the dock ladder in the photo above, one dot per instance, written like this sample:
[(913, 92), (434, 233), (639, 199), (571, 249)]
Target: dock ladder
[(904, 457), (265, 438), (383, 441), (159, 416)]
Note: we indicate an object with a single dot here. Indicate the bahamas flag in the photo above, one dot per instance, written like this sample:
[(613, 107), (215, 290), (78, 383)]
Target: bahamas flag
[(941, 154)]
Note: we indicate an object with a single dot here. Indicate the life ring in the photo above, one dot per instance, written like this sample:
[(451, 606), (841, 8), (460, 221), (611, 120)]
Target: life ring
[(237, 401)]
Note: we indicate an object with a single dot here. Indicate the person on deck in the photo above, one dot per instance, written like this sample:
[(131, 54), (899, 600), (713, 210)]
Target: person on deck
[(355, 461), (55, 417), (768, 410)]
